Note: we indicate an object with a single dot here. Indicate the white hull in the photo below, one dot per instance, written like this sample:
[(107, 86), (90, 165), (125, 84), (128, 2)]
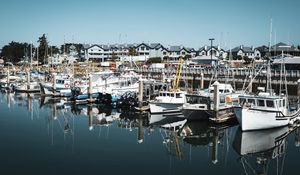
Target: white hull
[(259, 119), (161, 108)]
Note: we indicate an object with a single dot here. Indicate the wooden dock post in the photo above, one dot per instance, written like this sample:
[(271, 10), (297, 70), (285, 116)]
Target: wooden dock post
[(141, 91), (54, 83), (202, 81), (216, 99), (90, 87), (28, 79)]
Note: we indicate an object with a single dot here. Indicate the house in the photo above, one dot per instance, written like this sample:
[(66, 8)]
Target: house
[(214, 50), (261, 51), (243, 51), (280, 47), (93, 52)]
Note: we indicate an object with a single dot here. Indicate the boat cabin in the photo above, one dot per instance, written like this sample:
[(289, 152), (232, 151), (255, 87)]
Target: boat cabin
[(171, 94), (263, 102)]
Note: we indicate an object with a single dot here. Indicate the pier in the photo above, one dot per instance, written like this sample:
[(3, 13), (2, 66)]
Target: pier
[(195, 78)]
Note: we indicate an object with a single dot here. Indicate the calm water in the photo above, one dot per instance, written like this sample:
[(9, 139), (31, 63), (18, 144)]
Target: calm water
[(50, 137)]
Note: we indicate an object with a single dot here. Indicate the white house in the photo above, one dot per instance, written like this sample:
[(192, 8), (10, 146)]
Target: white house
[(214, 50)]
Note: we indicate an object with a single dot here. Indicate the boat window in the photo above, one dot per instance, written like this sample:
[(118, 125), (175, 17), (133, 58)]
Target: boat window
[(164, 94), (211, 91), (261, 102), (168, 95), (251, 101), (242, 100), (283, 103), (160, 94), (279, 103), (227, 91), (270, 103), (172, 95), (178, 95)]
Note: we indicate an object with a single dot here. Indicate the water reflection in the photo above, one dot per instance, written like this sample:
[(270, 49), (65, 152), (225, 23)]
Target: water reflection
[(259, 149), (75, 126), (203, 133)]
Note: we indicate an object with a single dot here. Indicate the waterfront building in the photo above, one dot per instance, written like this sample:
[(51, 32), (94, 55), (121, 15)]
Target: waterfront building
[(216, 51), (244, 51)]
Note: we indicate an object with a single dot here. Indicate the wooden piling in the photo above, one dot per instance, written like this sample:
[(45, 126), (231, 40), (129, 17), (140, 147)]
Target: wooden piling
[(216, 99)]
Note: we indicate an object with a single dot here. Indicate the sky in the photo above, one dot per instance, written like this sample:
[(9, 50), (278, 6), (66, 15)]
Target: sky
[(171, 22)]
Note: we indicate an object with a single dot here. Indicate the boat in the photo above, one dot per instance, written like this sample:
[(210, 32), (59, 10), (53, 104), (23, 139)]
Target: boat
[(62, 86), (265, 110), (167, 102), (171, 100), (200, 105)]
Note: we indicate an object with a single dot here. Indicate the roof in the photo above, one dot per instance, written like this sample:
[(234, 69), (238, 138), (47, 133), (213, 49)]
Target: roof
[(175, 48), (287, 60), (243, 48)]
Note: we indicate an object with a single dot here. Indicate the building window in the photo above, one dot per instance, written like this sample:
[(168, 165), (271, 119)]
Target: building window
[(164, 53), (183, 53), (142, 48)]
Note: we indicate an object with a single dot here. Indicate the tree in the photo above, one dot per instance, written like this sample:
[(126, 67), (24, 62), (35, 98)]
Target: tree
[(132, 52), (154, 60), (114, 56), (187, 57), (166, 58), (247, 60), (43, 49), (239, 57), (15, 51)]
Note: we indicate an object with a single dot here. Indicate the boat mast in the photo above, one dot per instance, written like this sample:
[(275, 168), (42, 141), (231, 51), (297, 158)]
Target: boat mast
[(269, 83)]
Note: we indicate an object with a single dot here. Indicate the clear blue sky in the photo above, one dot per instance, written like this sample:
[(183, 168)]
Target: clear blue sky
[(170, 22)]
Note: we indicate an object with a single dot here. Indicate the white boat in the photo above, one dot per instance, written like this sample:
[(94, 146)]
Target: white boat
[(167, 102), (32, 87), (264, 111), (200, 106), (62, 86)]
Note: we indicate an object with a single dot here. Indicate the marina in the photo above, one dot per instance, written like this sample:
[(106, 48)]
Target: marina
[(150, 87), (62, 139)]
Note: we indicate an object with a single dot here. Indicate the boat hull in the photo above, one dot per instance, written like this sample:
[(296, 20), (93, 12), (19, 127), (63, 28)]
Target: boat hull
[(251, 119), (163, 108)]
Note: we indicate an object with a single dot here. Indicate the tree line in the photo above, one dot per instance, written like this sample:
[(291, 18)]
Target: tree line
[(17, 51)]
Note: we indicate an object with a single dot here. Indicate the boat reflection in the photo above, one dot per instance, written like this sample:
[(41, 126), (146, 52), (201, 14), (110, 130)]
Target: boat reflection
[(257, 149), (204, 133)]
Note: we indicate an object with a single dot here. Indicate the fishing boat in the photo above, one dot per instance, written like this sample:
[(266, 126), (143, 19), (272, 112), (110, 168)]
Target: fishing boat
[(200, 106), (266, 109), (171, 100)]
